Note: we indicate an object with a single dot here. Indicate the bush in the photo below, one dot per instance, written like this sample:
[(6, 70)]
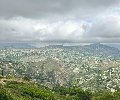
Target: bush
[(4, 95)]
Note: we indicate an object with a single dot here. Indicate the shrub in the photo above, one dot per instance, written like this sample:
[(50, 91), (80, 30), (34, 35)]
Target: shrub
[(4, 95)]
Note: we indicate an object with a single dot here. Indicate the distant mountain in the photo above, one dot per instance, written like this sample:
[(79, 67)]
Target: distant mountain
[(15, 45), (116, 45), (95, 49), (92, 49), (103, 50)]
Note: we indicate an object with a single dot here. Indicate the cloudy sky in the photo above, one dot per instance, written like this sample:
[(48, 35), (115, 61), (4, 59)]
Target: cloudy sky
[(60, 20)]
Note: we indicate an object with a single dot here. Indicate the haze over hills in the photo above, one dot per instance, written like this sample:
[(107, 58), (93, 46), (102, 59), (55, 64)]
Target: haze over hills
[(43, 44), (17, 45), (92, 49)]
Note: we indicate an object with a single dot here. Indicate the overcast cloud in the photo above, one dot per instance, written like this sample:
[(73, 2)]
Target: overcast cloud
[(60, 20)]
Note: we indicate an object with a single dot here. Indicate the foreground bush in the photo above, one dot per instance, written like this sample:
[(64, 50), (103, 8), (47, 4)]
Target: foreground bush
[(31, 91), (4, 95)]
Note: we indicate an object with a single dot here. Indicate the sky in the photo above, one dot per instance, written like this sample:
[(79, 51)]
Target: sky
[(75, 21)]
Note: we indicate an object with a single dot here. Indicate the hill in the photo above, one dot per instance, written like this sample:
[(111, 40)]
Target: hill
[(103, 50), (93, 67)]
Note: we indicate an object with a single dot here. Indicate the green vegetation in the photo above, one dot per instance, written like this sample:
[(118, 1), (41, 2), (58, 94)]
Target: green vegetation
[(13, 90), (26, 90)]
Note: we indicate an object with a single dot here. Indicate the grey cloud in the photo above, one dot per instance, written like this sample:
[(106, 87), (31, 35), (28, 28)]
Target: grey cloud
[(11, 30), (34, 30), (108, 27), (34, 26), (39, 8)]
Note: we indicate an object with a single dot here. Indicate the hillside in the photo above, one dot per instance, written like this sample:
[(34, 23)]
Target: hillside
[(13, 89), (94, 67), (103, 50)]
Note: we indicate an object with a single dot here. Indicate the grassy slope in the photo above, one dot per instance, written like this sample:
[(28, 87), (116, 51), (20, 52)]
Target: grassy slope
[(19, 89), (24, 90)]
